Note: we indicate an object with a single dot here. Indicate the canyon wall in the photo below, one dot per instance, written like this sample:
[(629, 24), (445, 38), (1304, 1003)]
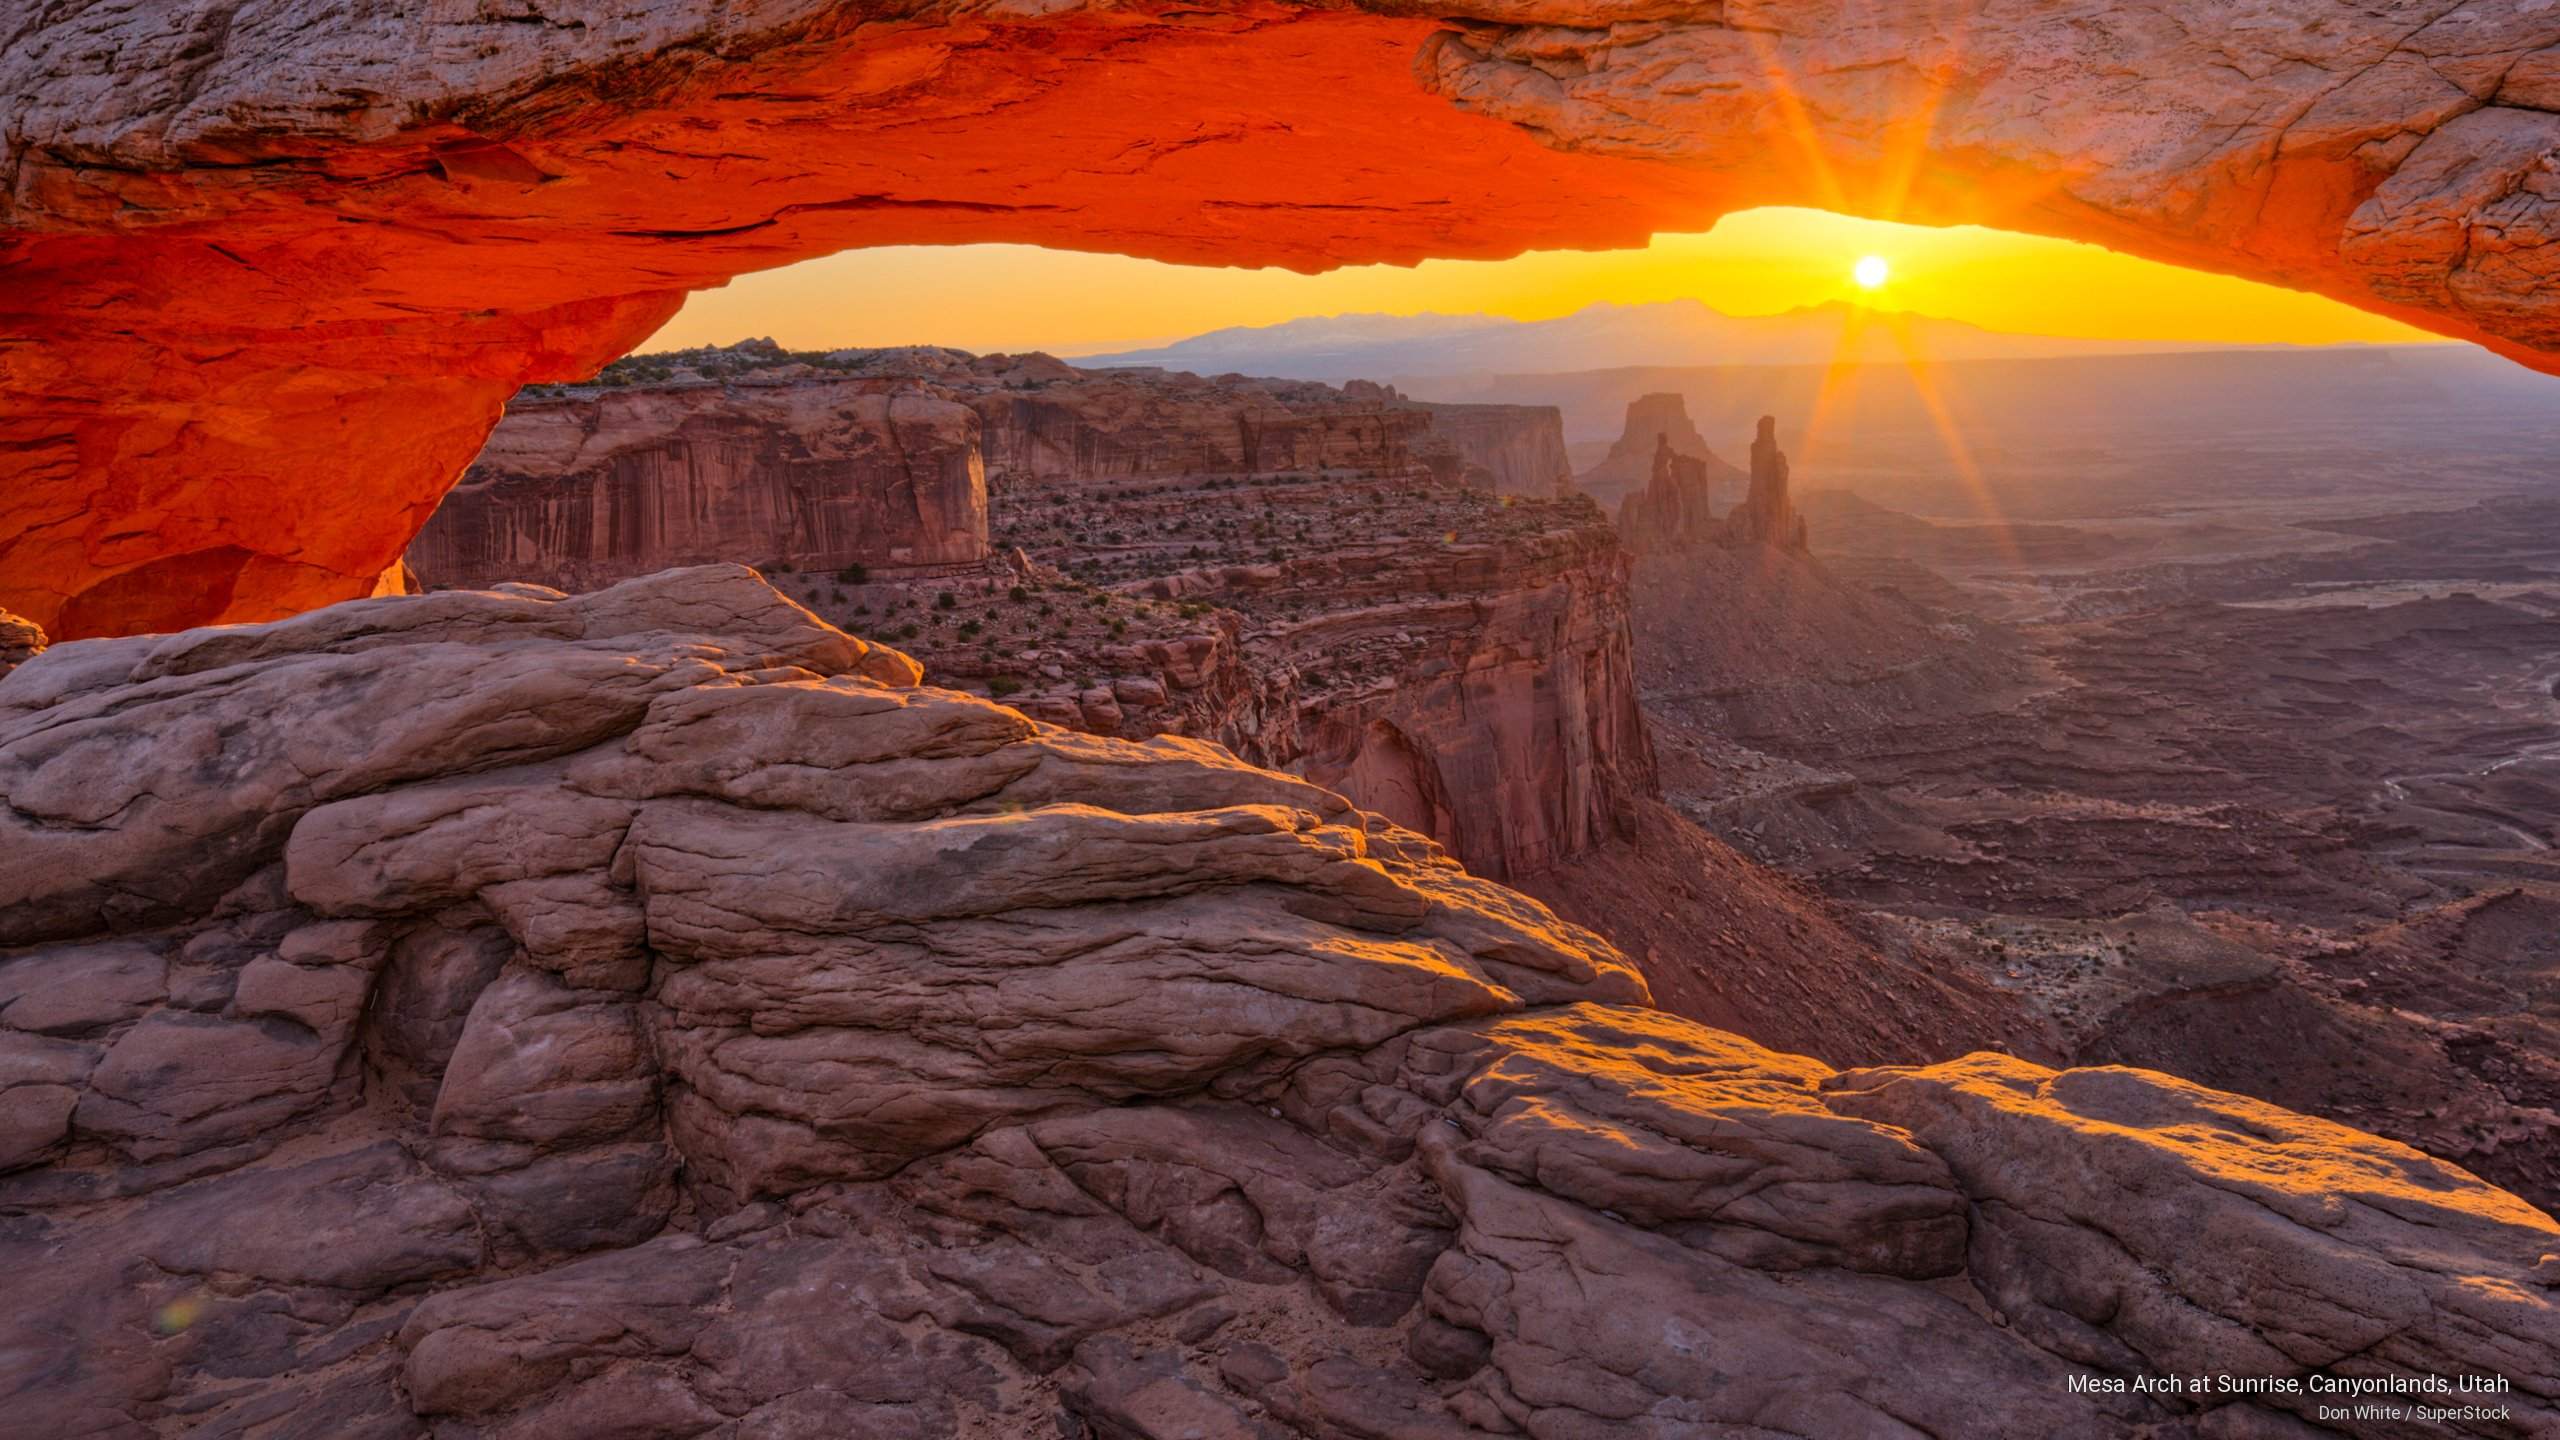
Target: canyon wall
[(579, 491), (653, 1012), (1520, 447), (1456, 663), (1451, 658), (1057, 423), (1309, 575), (1482, 692)]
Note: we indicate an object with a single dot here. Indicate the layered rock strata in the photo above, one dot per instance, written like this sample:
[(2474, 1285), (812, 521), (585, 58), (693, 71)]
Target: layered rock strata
[(1520, 448), (273, 269), (1313, 576), (582, 490), (671, 1018), (1454, 661), (1050, 423)]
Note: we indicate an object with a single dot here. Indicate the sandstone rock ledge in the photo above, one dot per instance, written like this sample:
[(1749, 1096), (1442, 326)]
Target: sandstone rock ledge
[(655, 1014)]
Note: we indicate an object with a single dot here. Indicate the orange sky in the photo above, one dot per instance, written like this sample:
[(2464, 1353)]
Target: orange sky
[(1014, 297)]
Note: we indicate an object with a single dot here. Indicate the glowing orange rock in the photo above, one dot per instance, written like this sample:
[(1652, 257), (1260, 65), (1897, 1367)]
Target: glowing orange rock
[(267, 273)]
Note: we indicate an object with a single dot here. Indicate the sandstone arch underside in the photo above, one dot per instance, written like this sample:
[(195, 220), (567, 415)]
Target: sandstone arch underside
[(269, 268)]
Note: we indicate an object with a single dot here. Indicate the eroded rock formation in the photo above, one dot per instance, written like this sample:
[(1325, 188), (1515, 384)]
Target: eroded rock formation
[(274, 268), (1654, 422), (579, 491), (669, 1017), (21, 639), (1673, 510), (1058, 424), (1767, 515)]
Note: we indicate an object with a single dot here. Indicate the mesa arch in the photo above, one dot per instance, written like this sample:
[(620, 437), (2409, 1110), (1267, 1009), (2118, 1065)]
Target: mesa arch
[(269, 268)]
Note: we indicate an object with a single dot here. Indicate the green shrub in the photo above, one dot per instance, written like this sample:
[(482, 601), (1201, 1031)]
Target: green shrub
[(855, 575), (1003, 685)]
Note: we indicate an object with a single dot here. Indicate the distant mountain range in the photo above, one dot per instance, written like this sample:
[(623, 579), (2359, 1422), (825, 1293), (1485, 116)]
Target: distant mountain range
[(1668, 332)]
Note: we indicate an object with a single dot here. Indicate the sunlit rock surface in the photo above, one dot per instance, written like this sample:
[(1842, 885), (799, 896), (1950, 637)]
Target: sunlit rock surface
[(275, 267), (655, 1012)]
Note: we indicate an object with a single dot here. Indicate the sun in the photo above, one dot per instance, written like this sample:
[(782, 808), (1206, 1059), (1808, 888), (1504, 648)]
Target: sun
[(1870, 272)]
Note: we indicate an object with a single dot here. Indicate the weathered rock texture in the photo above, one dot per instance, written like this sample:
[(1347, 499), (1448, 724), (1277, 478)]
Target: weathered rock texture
[(274, 267), (1317, 578), (671, 1019), (581, 491)]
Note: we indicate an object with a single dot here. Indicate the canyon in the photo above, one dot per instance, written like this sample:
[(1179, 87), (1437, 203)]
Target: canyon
[(2215, 739), (613, 976), (936, 896), (275, 270), (1460, 662), (1334, 581), (654, 1011)]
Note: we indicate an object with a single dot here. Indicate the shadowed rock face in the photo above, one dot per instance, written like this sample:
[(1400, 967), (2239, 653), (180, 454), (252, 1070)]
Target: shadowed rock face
[(653, 1012), (1767, 514), (277, 266), (579, 493)]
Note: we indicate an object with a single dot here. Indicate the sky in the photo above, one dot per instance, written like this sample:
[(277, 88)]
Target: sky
[(1018, 297)]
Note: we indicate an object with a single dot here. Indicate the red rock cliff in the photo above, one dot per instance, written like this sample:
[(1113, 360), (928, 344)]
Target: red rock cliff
[(1047, 422), (1519, 447), (587, 488), (272, 269), (1453, 658)]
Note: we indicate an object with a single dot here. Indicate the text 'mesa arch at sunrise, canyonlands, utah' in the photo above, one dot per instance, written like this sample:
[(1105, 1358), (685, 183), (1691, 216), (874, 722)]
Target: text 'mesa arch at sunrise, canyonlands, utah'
[(274, 269)]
